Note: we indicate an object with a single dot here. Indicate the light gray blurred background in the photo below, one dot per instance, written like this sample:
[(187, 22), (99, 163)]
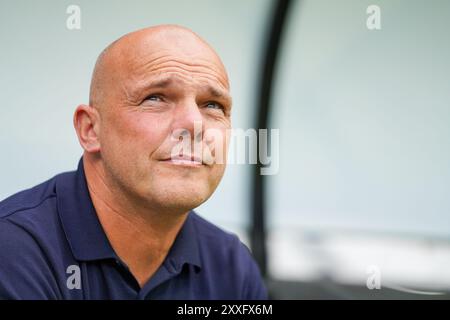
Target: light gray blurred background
[(363, 115)]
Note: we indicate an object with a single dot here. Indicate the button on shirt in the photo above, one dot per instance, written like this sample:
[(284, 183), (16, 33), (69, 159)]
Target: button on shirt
[(52, 246)]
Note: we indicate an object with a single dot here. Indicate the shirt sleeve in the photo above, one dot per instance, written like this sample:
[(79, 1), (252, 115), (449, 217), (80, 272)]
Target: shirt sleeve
[(24, 271)]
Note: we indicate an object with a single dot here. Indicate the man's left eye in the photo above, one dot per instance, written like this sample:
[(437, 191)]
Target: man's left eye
[(153, 97), (214, 105)]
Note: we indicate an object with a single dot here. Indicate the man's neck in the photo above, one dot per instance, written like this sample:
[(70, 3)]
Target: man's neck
[(140, 237)]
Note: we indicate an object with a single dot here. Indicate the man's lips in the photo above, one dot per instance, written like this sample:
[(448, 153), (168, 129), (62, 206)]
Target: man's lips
[(184, 160)]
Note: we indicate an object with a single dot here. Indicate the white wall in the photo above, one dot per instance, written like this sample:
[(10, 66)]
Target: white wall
[(364, 118)]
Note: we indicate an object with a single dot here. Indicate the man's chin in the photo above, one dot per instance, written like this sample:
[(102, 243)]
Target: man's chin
[(182, 197)]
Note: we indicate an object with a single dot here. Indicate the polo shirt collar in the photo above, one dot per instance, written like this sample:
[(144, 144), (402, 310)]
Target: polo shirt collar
[(185, 249), (86, 236), (83, 230)]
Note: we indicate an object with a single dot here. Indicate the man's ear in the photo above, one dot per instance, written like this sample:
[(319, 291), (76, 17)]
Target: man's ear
[(86, 121)]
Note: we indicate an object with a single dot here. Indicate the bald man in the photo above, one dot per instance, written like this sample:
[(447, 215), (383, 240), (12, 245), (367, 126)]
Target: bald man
[(122, 225)]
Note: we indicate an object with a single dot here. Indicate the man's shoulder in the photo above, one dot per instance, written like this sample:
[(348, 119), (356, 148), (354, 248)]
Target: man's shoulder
[(29, 217), (32, 199), (224, 250), (29, 231), (27, 199)]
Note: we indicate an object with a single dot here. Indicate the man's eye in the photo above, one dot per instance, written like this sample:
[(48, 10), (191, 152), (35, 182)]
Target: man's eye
[(153, 97), (214, 105)]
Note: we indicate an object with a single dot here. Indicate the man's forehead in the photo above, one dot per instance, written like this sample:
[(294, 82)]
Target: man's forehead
[(177, 66), (148, 51)]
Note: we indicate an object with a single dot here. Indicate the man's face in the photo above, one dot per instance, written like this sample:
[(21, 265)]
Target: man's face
[(162, 91)]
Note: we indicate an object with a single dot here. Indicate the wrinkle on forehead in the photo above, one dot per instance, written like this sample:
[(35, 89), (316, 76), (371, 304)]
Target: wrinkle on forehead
[(196, 64), (154, 50)]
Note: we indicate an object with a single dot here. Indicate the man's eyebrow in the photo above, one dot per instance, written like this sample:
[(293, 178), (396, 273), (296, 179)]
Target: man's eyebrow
[(219, 94), (160, 83)]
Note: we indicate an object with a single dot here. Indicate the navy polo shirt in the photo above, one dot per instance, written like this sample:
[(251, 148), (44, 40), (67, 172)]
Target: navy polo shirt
[(52, 246)]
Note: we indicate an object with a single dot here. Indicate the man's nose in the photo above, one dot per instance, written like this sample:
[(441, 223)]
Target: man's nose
[(188, 119)]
